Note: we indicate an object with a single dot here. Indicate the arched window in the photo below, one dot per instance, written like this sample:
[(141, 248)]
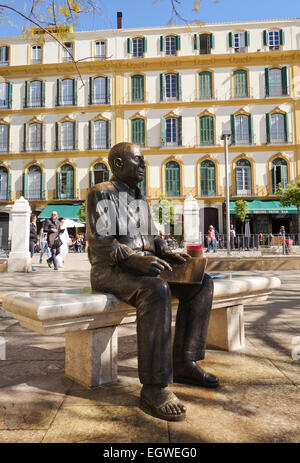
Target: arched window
[(279, 174), (65, 182), (137, 88), (208, 178), (172, 178), (205, 85), (34, 183), (240, 83), (35, 137), (207, 136), (4, 184), (138, 131), (243, 177), (99, 174)]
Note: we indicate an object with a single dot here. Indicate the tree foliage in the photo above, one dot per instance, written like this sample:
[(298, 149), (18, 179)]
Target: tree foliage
[(241, 209), (81, 213), (163, 211), (290, 196)]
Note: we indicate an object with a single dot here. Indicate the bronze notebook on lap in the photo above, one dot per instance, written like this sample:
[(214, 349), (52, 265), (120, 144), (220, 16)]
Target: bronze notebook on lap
[(189, 272)]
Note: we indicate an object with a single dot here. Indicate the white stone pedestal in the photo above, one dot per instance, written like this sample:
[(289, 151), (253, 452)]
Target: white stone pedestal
[(19, 258), (92, 356), (191, 220), (226, 328)]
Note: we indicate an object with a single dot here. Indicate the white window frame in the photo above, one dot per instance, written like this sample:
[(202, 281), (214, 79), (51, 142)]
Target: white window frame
[(277, 128), (67, 92), (239, 42), (274, 40), (65, 55), (137, 47), (100, 134), (35, 93), (100, 90), (172, 127), (241, 129), (67, 136), (100, 49), (171, 86), (36, 54)]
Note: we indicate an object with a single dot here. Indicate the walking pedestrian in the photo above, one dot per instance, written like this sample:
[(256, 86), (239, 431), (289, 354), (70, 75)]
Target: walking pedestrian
[(232, 236), (44, 244), (32, 237), (52, 228), (211, 239), (64, 249)]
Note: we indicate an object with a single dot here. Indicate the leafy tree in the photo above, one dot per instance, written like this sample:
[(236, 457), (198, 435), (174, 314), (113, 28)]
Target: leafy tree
[(163, 211), (290, 196), (241, 209), (81, 213)]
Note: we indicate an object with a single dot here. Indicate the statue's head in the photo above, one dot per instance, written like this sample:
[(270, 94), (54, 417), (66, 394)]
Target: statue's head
[(127, 163)]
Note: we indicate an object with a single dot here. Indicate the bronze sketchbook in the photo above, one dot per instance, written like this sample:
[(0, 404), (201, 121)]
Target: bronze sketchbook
[(189, 272)]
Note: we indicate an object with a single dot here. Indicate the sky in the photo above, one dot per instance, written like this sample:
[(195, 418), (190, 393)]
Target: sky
[(143, 13)]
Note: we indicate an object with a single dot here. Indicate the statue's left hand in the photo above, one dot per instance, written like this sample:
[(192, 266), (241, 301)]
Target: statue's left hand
[(176, 256)]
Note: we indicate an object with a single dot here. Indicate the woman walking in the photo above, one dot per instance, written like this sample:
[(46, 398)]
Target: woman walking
[(52, 227)]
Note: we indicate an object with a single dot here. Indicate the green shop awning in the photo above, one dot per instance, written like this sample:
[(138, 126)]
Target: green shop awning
[(67, 211), (266, 207)]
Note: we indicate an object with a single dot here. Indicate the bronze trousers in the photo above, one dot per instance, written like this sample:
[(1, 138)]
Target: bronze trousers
[(152, 298)]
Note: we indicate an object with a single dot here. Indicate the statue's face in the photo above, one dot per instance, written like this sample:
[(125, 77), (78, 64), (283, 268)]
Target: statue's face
[(131, 166)]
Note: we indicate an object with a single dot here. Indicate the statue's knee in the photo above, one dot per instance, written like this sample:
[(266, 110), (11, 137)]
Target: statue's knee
[(160, 289)]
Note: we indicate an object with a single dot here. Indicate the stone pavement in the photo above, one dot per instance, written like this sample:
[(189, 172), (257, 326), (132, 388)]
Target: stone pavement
[(258, 400)]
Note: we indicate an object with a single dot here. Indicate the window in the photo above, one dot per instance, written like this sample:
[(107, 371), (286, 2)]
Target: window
[(34, 94), (67, 135), (65, 182), (4, 129), (137, 48), (138, 131), (100, 135), (172, 178), (67, 52), (240, 82), (276, 81), (205, 85), (4, 176), (100, 90), (207, 178), (274, 39), (279, 174), (206, 130), (67, 92), (100, 49), (170, 46), (35, 137), (34, 183), (171, 131), (277, 127), (239, 41), (170, 87), (4, 95), (99, 174), (137, 88), (243, 177), (4, 54), (241, 129), (204, 43), (36, 54)]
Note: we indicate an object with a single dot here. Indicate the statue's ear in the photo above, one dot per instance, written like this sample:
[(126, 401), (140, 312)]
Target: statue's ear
[(118, 162)]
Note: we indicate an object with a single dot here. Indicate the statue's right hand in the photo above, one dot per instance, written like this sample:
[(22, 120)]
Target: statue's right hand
[(147, 265)]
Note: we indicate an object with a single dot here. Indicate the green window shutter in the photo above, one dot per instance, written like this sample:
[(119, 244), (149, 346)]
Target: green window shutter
[(43, 185), (74, 136), (8, 186), (90, 136), (206, 130), (179, 128), (43, 94), (179, 92), (108, 135), (232, 121), (137, 88), (27, 87), (247, 38), (58, 92), (138, 131), (129, 45), (205, 85), (250, 126), (25, 185), (196, 42), (266, 38), (284, 176), (268, 127), (24, 137), (108, 99), (163, 131), (162, 87), (58, 188), (91, 93), (240, 79), (172, 179), (6, 54), (274, 183), (178, 42), (75, 98), (56, 136), (8, 138), (10, 89), (144, 44), (212, 40), (92, 178), (282, 36), (70, 184), (284, 80), (286, 127), (230, 38), (267, 81), (162, 43)]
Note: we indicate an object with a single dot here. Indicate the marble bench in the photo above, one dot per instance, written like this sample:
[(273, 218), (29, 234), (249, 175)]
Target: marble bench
[(90, 320)]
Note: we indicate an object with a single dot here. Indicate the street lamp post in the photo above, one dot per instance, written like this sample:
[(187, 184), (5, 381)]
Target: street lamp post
[(226, 136)]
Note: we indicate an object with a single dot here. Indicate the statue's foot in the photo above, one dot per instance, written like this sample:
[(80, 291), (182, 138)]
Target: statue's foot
[(190, 373), (162, 403)]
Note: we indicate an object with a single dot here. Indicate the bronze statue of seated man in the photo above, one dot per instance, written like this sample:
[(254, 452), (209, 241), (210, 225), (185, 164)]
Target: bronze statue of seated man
[(127, 260)]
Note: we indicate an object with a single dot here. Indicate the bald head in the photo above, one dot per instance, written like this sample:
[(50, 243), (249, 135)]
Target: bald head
[(127, 163)]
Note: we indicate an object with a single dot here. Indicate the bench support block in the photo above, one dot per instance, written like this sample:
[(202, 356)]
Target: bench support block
[(92, 356), (226, 328)]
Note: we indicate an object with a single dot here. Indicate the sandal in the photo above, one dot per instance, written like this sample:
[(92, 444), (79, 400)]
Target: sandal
[(157, 405)]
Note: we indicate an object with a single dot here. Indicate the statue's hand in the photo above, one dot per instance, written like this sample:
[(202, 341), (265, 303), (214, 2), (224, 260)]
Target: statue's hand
[(147, 265), (176, 256)]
